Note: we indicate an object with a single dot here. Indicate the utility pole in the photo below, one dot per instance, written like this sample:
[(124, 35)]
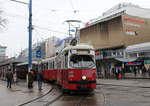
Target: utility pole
[(30, 37), (30, 32)]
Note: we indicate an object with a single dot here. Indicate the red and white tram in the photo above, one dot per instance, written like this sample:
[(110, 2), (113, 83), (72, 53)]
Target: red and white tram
[(73, 68)]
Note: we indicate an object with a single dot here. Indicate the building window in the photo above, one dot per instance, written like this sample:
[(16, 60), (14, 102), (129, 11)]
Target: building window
[(104, 27)]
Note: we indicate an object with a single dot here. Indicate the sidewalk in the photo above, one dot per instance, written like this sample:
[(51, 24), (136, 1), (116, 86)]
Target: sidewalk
[(145, 83), (138, 76), (19, 93)]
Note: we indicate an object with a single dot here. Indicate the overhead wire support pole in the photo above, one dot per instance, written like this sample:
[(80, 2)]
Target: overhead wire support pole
[(30, 37)]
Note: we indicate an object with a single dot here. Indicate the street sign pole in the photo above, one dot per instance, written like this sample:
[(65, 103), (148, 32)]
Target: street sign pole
[(30, 37)]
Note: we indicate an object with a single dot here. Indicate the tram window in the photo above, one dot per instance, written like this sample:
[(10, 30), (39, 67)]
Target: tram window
[(53, 65), (66, 61), (82, 61), (45, 66)]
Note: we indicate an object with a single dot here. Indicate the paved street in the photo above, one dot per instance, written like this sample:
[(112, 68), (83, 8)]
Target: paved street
[(125, 92), (109, 92)]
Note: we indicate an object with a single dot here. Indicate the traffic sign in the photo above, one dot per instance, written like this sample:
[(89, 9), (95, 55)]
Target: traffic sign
[(38, 54)]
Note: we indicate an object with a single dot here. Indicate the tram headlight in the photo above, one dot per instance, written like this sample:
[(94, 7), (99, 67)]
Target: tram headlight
[(83, 77)]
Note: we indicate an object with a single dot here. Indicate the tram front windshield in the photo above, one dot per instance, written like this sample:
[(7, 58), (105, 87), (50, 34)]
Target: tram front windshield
[(82, 61)]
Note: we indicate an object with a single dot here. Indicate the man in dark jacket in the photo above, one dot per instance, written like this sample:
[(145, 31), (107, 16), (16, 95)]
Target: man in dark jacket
[(39, 79), (30, 79), (9, 76)]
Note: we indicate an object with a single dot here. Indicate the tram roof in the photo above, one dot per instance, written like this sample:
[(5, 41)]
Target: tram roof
[(79, 46), (142, 47), (47, 59), (26, 63)]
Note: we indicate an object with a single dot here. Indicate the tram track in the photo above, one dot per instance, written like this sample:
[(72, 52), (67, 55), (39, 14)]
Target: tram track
[(104, 97), (54, 100), (49, 94), (82, 100), (32, 100)]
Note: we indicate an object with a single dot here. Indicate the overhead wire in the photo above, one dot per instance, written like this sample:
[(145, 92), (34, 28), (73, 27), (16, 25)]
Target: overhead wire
[(48, 29), (71, 4), (35, 26), (74, 10), (39, 37)]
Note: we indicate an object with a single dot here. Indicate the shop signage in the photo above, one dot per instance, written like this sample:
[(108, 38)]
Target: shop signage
[(131, 32), (133, 63), (132, 24), (146, 61), (134, 20)]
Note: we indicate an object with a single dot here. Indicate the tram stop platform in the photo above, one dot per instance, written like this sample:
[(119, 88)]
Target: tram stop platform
[(19, 93)]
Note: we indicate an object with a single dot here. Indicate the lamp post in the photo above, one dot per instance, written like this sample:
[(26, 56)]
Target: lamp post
[(30, 32)]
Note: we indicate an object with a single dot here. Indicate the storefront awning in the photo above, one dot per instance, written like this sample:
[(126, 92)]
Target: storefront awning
[(126, 59), (142, 47)]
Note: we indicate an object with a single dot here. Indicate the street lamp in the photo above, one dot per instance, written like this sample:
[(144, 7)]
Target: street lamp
[(30, 33)]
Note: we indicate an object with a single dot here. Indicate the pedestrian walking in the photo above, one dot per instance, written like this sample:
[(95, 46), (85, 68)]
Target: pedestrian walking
[(9, 76), (143, 71), (135, 71), (39, 79), (117, 72), (30, 79), (148, 71)]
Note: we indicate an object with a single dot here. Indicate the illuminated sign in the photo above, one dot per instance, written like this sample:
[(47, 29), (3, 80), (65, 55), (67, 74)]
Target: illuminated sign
[(131, 32), (133, 63), (97, 52), (132, 24), (134, 20)]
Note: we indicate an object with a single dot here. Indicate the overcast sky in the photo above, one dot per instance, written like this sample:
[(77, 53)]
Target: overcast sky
[(49, 17)]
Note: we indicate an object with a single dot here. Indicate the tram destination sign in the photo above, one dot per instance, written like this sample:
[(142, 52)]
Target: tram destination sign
[(82, 51)]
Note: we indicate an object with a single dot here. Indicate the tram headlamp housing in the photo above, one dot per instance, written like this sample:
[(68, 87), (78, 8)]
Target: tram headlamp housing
[(83, 77)]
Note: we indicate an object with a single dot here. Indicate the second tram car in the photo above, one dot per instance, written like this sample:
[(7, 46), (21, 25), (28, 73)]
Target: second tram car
[(48, 69), (73, 68)]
